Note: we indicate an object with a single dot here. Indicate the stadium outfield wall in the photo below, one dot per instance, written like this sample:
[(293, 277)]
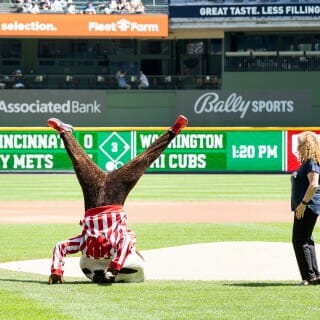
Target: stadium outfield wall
[(204, 108)]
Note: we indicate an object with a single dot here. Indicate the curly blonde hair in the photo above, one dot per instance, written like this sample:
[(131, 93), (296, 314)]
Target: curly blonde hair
[(309, 143)]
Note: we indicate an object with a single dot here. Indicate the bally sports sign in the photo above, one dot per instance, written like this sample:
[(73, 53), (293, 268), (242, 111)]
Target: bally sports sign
[(57, 25)]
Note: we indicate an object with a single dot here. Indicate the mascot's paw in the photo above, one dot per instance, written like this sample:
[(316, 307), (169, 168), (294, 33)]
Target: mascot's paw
[(54, 278)]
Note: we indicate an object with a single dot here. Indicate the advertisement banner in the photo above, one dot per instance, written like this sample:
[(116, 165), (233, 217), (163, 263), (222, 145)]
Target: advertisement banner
[(246, 108), (263, 10), (292, 147), (193, 151), (34, 107), (97, 26), (98, 108)]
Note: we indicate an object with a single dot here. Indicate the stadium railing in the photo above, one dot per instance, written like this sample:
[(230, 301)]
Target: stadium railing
[(247, 61), (62, 81)]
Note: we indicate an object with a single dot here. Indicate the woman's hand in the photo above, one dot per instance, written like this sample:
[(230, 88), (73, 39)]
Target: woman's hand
[(300, 211)]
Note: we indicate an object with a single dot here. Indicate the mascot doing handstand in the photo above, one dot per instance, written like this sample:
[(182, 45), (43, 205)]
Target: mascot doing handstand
[(107, 244)]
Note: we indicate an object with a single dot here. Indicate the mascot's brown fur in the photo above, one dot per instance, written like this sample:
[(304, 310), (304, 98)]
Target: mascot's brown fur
[(101, 188)]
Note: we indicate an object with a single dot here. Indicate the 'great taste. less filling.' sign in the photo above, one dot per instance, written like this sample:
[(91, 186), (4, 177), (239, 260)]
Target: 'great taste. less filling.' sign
[(52, 25)]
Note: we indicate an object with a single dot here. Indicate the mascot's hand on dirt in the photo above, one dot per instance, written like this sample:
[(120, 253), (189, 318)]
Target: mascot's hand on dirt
[(54, 278)]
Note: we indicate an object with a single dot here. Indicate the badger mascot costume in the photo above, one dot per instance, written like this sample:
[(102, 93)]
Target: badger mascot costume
[(107, 243)]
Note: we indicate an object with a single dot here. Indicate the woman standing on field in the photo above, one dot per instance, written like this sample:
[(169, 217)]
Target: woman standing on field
[(305, 202)]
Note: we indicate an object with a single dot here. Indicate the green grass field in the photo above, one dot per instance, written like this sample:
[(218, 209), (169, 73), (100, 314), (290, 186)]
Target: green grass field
[(191, 187), (27, 296)]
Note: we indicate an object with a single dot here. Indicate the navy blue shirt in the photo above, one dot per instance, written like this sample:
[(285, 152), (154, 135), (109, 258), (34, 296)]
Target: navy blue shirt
[(300, 183)]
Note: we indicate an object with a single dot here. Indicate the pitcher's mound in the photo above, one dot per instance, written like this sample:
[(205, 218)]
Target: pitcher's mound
[(253, 261)]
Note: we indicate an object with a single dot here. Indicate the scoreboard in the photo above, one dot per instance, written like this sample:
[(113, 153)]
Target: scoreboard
[(195, 150)]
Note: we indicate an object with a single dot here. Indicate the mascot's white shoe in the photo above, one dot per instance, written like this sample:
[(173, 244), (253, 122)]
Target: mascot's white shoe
[(132, 271)]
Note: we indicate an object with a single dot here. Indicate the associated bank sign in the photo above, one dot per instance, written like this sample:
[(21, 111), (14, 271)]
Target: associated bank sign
[(247, 108), (38, 106), (34, 107)]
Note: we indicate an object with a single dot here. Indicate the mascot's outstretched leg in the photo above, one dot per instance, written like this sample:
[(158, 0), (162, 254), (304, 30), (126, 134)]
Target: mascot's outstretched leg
[(101, 188), (105, 232)]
